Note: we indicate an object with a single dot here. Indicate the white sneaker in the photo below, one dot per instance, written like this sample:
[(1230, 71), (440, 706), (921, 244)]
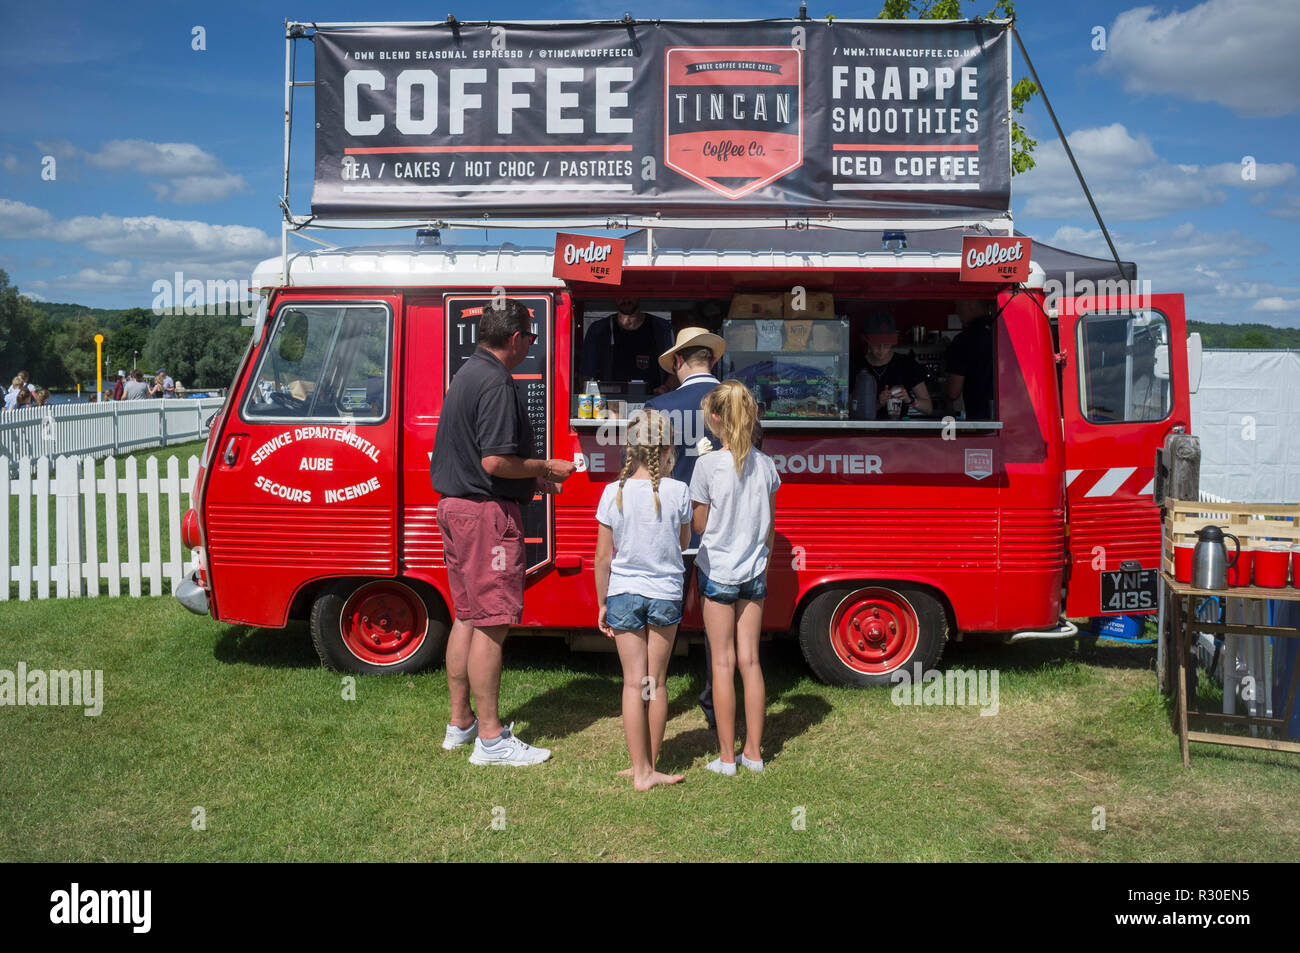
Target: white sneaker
[(746, 763), (718, 766), (459, 737), (508, 750)]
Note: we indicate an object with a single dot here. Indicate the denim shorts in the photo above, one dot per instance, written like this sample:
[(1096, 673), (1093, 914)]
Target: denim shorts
[(629, 612), (755, 588)]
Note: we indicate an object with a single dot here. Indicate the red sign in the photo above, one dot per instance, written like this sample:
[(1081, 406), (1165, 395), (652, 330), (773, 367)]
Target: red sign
[(733, 115), (995, 258), (584, 258)]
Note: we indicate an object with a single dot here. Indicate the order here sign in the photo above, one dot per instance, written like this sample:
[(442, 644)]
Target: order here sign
[(584, 258), (734, 117)]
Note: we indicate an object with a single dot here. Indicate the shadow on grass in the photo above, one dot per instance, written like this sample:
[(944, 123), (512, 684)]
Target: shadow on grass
[(289, 647), (595, 694), (989, 652)]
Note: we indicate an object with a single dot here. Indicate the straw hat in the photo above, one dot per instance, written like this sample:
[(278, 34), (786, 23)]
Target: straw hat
[(693, 337)]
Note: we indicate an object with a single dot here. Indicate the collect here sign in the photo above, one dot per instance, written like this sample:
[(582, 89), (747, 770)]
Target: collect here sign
[(864, 118)]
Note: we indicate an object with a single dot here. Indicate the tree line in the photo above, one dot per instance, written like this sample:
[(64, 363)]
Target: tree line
[(55, 342)]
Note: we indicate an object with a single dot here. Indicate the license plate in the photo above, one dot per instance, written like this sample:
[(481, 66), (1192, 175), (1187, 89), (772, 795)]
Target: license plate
[(1133, 591)]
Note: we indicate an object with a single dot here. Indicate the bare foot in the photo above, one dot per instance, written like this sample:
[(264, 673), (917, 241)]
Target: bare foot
[(657, 778)]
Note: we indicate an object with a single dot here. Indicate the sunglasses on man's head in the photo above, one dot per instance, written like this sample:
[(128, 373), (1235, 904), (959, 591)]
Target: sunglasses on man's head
[(532, 338)]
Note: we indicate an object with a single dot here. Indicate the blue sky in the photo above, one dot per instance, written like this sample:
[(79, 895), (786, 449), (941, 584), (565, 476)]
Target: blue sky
[(169, 158)]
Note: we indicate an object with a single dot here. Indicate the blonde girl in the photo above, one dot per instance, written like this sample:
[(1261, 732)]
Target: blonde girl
[(734, 495), (644, 524)]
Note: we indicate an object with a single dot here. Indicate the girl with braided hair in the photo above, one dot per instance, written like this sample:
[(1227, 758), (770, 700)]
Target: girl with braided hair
[(644, 524)]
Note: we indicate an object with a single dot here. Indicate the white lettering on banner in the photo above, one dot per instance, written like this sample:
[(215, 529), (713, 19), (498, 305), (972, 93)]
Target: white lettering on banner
[(592, 253), (837, 463), (565, 90), (290, 493), (994, 254), (337, 434), (920, 81), (352, 492)]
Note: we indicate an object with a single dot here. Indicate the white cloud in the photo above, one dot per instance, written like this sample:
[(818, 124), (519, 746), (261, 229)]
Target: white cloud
[(1209, 268), (1128, 179), (147, 235), (157, 248), (1237, 53), (11, 163), (1287, 207), (189, 174), (1276, 304), (31, 296), (1266, 175)]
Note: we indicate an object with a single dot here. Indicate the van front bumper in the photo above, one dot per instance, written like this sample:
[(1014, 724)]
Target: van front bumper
[(193, 596)]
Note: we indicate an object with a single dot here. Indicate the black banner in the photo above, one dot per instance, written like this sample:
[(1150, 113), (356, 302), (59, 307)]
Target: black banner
[(771, 117)]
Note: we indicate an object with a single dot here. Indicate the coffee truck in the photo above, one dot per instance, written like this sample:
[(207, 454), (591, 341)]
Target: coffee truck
[(895, 533)]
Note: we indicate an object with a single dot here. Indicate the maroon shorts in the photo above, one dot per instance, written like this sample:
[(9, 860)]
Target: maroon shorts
[(483, 545)]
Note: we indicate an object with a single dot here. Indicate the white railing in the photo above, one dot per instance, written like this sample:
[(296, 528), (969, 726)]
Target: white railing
[(94, 514), (93, 430)]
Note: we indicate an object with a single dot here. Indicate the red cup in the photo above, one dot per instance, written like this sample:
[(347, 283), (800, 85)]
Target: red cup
[(1271, 566), (1295, 566), (1239, 572), (1183, 561)]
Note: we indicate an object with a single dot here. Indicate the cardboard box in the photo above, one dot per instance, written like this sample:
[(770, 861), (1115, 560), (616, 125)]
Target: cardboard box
[(816, 304), (765, 305)]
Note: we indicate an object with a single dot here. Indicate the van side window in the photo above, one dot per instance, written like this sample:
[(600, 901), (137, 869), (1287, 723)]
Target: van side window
[(1118, 377), (324, 362)]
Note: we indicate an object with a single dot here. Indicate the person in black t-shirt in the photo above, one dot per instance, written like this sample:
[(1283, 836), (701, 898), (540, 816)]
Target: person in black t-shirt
[(482, 467), (626, 347), (896, 376), (972, 360)]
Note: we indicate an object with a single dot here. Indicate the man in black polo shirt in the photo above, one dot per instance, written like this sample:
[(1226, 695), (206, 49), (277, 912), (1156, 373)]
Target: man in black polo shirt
[(482, 467), (972, 360)]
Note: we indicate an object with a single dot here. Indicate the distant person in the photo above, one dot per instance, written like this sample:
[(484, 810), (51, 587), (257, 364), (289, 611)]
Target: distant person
[(20, 382), (41, 397), (483, 468), (896, 377), (972, 361), (624, 346), (733, 493), (24, 398), (136, 388), (644, 523), (163, 386), (118, 385)]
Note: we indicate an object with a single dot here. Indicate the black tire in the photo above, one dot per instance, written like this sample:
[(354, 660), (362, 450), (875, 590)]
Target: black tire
[(327, 628), (817, 628)]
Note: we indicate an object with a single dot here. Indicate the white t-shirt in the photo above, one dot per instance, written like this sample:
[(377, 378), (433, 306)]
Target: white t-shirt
[(647, 548), (733, 548)]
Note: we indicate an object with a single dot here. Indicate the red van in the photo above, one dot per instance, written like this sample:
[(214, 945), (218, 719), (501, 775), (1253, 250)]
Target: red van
[(893, 536)]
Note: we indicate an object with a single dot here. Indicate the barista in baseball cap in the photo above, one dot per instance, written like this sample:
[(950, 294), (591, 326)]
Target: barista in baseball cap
[(896, 376)]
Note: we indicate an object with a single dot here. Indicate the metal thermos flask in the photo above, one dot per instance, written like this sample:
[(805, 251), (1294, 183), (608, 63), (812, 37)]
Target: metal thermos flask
[(1210, 560)]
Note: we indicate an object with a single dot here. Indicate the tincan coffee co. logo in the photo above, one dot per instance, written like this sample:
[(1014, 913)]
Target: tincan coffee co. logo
[(733, 115)]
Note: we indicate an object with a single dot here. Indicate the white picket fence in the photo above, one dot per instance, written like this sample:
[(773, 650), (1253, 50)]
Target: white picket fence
[(87, 498), (92, 430)]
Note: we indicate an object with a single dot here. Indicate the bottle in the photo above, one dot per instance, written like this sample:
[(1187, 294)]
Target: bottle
[(598, 406), (584, 406)]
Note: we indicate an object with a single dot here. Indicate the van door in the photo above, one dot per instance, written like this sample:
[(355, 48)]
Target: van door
[(441, 335), (302, 482), (1124, 388)]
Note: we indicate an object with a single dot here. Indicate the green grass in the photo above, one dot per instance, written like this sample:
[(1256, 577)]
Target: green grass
[(182, 451), (245, 724)]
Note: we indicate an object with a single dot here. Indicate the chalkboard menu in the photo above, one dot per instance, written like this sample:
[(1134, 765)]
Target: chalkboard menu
[(533, 382)]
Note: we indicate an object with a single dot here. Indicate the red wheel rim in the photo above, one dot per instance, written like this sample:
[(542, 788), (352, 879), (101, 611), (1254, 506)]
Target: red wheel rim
[(874, 631), (383, 623)]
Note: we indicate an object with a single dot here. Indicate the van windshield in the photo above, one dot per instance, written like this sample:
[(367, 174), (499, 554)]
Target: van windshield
[(324, 362)]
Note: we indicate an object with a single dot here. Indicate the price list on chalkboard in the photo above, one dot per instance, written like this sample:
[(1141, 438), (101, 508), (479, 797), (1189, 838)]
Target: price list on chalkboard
[(533, 383)]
